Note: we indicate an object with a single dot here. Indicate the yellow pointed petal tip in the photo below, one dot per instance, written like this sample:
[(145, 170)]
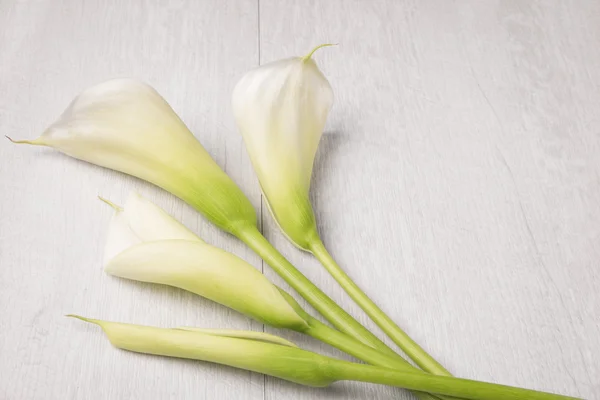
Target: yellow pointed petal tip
[(35, 142), (91, 321), (116, 207), (309, 55)]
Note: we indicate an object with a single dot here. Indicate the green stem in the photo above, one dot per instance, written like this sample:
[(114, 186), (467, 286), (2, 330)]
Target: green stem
[(339, 340), (355, 348), (445, 385), (321, 302), (398, 336), (305, 288)]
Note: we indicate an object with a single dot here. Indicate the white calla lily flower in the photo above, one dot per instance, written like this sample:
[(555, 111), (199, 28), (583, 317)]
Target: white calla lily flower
[(125, 125), (146, 244), (280, 109)]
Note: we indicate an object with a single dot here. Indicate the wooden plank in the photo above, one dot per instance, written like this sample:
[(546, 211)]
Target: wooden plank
[(457, 180), (52, 228)]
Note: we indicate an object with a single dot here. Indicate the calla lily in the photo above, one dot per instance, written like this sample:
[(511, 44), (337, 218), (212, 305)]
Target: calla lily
[(209, 272), (280, 109), (293, 364), (283, 361), (146, 244), (126, 125)]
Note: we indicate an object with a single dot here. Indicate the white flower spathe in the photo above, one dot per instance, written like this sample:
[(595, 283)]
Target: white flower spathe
[(126, 125), (146, 244), (281, 109)]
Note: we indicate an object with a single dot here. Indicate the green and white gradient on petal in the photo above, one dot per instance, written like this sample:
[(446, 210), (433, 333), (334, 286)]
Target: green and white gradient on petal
[(275, 359), (281, 109), (126, 125), (146, 244)]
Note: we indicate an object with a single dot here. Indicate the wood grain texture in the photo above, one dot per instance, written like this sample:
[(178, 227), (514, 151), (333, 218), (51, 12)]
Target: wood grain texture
[(52, 228), (458, 179), (458, 182)]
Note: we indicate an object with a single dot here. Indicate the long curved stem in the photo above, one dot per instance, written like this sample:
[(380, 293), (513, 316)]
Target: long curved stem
[(355, 348), (315, 297), (398, 336), (341, 341), (305, 288), (445, 385)]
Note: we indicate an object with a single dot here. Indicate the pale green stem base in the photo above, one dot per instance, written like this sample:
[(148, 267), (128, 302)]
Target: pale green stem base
[(463, 388), (305, 288), (409, 346)]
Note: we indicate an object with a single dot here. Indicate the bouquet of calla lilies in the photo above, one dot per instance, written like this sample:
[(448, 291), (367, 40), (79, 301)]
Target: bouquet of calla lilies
[(280, 109)]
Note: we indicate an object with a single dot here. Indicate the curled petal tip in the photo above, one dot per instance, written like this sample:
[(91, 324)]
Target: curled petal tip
[(309, 55), (116, 207), (81, 318), (35, 142)]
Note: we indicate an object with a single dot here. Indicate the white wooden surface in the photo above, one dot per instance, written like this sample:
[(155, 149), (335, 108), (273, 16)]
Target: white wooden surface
[(458, 181)]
